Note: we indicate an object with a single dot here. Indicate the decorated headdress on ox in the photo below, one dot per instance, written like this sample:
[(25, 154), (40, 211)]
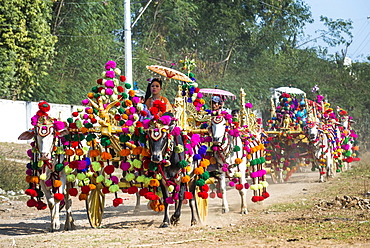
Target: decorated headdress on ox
[(45, 130)]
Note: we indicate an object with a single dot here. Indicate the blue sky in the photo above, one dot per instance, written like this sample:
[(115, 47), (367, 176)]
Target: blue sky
[(357, 11)]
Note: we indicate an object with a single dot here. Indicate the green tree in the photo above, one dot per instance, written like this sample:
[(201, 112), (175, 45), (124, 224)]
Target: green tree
[(89, 34), (26, 46)]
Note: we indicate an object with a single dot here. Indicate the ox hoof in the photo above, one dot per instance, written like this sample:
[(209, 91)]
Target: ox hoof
[(244, 211), (163, 225), (194, 223), (175, 220)]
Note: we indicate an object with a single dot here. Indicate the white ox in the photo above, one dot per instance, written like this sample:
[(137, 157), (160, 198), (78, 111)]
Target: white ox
[(224, 154), (45, 136), (322, 149)]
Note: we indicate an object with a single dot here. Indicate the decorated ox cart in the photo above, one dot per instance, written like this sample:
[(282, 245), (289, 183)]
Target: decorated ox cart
[(111, 145), (303, 132), (288, 145)]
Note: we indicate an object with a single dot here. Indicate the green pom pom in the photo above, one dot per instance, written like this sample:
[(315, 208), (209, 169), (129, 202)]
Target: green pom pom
[(124, 138), (121, 110), (88, 125), (262, 160), (135, 137), (183, 164), (96, 95), (236, 148), (200, 182), (71, 178), (39, 193), (313, 169), (142, 138), (90, 137), (191, 75), (205, 175), (59, 167), (95, 89), (123, 104), (338, 170), (70, 120), (153, 166), (113, 188), (78, 123), (127, 86), (121, 122), (124, 95), (184, 87), (105, 141)]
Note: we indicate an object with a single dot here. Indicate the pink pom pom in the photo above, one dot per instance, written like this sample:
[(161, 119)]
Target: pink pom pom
[(59, 125), (109, 83), (246, 185), (146, 123), (214, 148), (85, 102), (176, 131), (125, 130), (129, 123), (48, 183), (125, 166), (169, 200), (136, 99), (199, 95), (109, 91), (231, 184), (133, 110), (165, 119), (224, 169)]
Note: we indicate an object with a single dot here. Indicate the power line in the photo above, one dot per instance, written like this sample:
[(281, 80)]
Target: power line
[(361, 44)]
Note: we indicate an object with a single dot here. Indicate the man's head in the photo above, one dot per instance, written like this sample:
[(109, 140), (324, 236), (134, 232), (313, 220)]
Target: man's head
[(217, 103)]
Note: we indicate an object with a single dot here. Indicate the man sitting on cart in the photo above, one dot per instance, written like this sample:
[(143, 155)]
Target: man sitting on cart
[(217, 105)]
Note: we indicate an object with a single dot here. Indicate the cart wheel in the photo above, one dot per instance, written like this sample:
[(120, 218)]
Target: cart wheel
[(95, 206), (202, 206)]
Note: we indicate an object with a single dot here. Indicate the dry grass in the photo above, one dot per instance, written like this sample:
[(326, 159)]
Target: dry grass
[(12, 170)]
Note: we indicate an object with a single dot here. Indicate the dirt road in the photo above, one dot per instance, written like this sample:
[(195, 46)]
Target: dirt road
[(26, 227)]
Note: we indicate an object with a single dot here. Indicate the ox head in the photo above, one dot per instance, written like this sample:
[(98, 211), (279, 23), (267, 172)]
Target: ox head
[(158, 138), (312, 131), (218, 128), (44, 134)]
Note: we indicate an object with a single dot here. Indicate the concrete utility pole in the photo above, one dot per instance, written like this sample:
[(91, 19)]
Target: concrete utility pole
[(128, 43)]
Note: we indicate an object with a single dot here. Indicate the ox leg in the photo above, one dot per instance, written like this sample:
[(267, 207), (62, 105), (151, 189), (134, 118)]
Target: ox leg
[(175, 218), (166, 218), (225, 204), (195, 219), (137, 207), (53, 207), (243, 196), (280, 176), (69, 224)]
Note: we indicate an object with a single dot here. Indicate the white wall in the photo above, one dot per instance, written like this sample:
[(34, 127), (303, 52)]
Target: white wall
[(16, 117)]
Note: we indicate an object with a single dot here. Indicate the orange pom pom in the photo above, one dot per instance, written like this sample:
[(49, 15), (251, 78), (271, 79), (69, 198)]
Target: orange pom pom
[(82, 197), (185, 179), (137, 150), (90, 95), (154, 183), (198, 171), (125, 152), (94, 153), (69, 152), (106, 156), (132, 93), (238, 161), (57, 183), (79, 152), (145, 152)]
